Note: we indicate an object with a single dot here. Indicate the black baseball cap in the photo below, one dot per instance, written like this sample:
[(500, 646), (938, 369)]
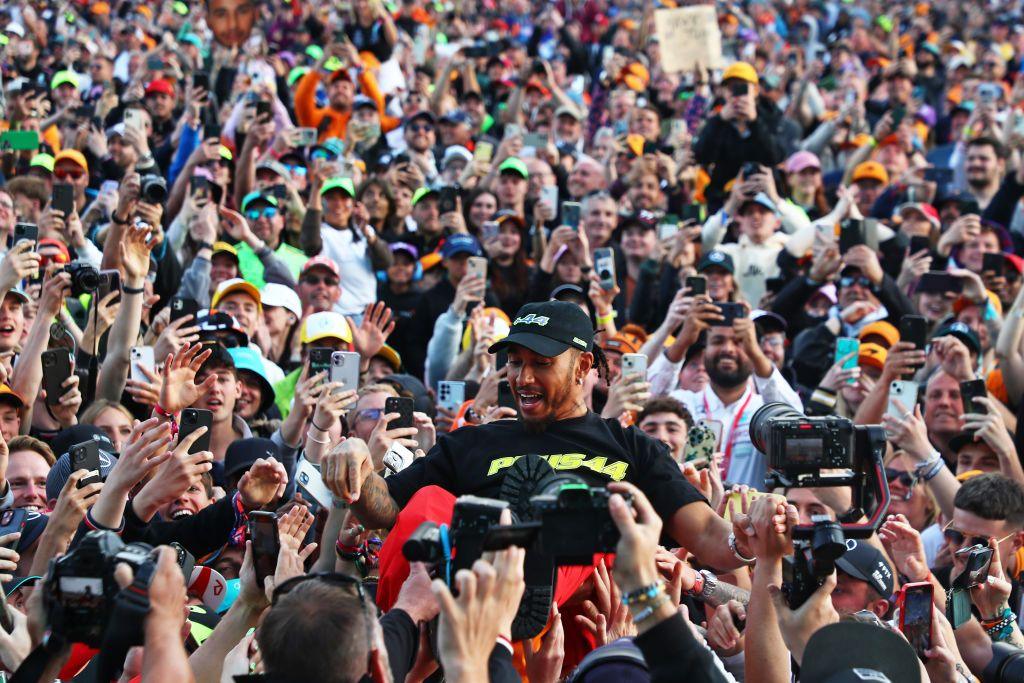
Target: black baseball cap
[(961, 331), (241, 454), (719, 259), (549, 328), (866, 562), (850, 652)]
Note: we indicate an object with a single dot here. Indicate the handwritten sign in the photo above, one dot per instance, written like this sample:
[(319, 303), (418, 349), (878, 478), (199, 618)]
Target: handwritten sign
[(688, 36)]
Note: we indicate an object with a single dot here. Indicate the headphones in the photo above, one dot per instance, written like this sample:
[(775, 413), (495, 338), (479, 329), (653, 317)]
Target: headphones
[(417, 273)]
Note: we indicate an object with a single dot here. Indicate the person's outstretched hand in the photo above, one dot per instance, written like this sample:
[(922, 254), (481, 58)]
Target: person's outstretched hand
[(179, 389), (799, 625), (264, 482), (369, 336)]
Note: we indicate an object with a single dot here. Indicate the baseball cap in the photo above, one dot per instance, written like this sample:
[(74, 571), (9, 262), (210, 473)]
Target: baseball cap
[(277, 295), (233, 285), (360, 101), (116, 129), (405, 247), (344, 184), (767, 321), (10, 395), (17, 293), (248, 359), (866, 562), (408, 385), (275, 167), (801, 160), (160, 86), (741, 71), (72, 155), (65, 76), (457, 116), (455, 152), (212, 323), (514, 165), (962, 332), (242, 453), (760, 198), (225, 248), (571, 112), (422, 193), (389, 354), (872, 355), (926, 210), (421, 114), (549, 328), (624, 342), (871, 170), (325, 325), (963, 439), (258, 196), (716, 258), (62, 443), (460, 244), (42, 160), (320, 261), (642, 218), (880, 328), (854, 652)]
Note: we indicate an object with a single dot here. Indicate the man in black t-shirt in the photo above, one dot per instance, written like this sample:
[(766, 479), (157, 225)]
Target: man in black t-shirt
[(550, 352)]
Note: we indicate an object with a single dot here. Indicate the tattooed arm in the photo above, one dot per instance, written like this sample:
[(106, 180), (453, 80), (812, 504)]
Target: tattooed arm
[(347, 470)]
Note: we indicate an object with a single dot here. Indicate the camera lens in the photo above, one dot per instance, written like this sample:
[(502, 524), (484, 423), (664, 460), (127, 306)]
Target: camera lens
[(303, 478), (88, 279), (760, 423)]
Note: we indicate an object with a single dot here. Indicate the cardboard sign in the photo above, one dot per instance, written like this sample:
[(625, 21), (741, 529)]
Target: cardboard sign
[(688, 36)]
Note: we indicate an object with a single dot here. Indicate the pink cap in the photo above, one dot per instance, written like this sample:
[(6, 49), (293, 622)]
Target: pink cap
[(829, 292), (802, 160)]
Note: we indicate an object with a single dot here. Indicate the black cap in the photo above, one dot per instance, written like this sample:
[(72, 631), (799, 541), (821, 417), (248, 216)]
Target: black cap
[(549, 328), (866, 562), (643, 219), (569, 292), (716, 258), (853, 651), (243, 453), (964, 438), (962, 332)]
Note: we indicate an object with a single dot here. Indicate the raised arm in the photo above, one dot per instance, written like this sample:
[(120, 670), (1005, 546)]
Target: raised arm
[(347, 470)]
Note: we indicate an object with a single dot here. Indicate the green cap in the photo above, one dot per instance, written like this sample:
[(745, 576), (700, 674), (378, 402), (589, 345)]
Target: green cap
[(339, 184), (421, 193), (314, 51), (193, 39), (180, 8), (333, 64), (62, 77), (297, 73), (257, 195), (514, 164), (4, 39), (226, 154), (43, 160), (885, 22)]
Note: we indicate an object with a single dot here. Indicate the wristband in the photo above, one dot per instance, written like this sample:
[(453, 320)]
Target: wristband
[(506, 643), (312, 438), (603, 320), (732, 546), (824, 397), (203, 245), (648, 612), (317, 427), (132, 290), (160, 412), (115, 219), (644, 593)]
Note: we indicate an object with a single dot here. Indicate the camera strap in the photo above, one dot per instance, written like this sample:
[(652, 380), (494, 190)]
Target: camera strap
[(727, 438), (126, 627), (39, 660)]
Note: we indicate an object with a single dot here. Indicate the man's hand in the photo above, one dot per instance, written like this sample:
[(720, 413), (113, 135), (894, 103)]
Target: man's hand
[(903, 359), (146, 450), (990, 428), (625, 394), (369, 337), (66, 410), (416, 598), (128, 195), (605, 617), (746, 335), (768, 527), (175, 335), (469, 290), (903, 543), (264, 482), (72, 504), (703, 314), (638, 543), (179, 390), (798, 626), (21, 262), (954, 358), (993, 595), (865, 258), (331, 406), (250, 593), (544, 665), (167, 595), (291, 530), (55, 289), (174, 477), (826, 266), (603, 299), (723, 636), (381, 438), (346, 467)]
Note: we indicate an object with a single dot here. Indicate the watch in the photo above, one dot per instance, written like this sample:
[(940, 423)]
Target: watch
[(704, 585)]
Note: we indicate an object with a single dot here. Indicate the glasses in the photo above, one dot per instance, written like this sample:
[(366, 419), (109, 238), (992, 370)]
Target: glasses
[(322, 154), (73, 173), (369, 414), (907, 479), (341, 581), (420, 127), (297, 170), (317, 280), (850, 281), (958, 538), (268, 212)]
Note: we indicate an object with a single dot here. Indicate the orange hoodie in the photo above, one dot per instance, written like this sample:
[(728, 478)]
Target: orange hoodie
[(311, 116)]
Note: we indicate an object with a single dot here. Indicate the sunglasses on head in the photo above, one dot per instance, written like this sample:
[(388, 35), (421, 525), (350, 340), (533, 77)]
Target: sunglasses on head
[(320, 280), (293, 168), (849, 281), (268, 212), (322, 154)]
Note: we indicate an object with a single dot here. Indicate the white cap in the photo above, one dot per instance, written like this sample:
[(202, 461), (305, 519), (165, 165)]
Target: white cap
[(456, 152), (16, 29), (116, 129), (274, 294)]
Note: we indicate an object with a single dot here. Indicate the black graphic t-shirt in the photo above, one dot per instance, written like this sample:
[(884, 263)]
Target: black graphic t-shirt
[(473, 460)]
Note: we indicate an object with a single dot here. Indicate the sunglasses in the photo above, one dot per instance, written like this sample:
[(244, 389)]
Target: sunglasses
[(420, 127), (63, 173), (369, 414), (958, 538), (322, 154), (905, 478), (268, 212), (341, 581), (317, 280), (297, 170), (849, 281)]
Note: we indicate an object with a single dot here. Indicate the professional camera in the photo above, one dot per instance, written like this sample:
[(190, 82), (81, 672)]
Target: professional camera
[(1006, 665), (84, 277), (433, 544), (821, 452), (80, 592), (574, 521), (153, 189)]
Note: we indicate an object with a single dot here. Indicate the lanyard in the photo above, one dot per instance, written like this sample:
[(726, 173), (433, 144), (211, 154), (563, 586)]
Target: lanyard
[(727, 439)]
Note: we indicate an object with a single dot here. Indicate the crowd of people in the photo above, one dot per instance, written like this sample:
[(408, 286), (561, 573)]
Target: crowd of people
[(551, 259)]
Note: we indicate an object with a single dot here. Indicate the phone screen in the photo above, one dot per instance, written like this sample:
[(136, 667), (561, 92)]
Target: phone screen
[(916, 617)]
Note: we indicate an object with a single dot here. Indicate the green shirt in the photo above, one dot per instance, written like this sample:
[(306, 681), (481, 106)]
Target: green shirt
[(252, 268)]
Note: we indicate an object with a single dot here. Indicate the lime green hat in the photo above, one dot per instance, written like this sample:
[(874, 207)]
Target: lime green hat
[(314, 51), (43, 160), (297, 73), (421, 193), (62, 77), (515, 165), (257, 195), (339, 184), (226, 154)]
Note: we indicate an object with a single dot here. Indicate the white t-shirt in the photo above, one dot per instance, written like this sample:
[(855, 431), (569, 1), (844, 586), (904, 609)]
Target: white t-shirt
[(358, 281)]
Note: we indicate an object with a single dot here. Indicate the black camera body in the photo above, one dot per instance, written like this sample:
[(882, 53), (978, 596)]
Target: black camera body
[(575, 522), (84, 277), (797, 443), (153, 189), (433, 544), (79, 593)]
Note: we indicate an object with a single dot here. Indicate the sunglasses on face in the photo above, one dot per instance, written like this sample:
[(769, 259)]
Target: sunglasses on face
[(73, 173), (322, 154), (421, 128), (268, 212), (849, 281), (906, 479), (317, 280), (959, 538), (297, 170), (369, 414)]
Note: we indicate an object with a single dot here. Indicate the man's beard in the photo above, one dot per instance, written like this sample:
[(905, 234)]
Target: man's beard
[(541, 424), (977, 182), (725, 378)]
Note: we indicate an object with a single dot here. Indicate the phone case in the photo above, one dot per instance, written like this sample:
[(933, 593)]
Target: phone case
[(404, 407), (86, 456), (398, 458), (845, 346), (319, 360), (56, 369), (477, 265), (634, 364), (904, 391), (309, 479), (969, 390), (698, 284), (345, 369), (63, 198), (915, 603), (142, 356), (450, 394), (571, 216), (716, 428), (180, 307), (191, 420), (266, 545), (505, 397), (604, 264)]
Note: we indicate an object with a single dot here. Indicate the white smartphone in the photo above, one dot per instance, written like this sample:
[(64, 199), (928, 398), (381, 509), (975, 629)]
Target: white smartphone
[(134, 118), (904, 391), (634, 364), (450, 395), (309, 480), (477, 265), (397, 458), (715, 426), (142, 356), (549, 195), (345, 369), (667, 230)]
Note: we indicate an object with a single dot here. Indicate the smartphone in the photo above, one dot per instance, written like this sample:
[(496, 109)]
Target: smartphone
[(915, 601), (63, 198), (191, 420), (446, 199), (519, 535), (897, 115), (477, 265), (716, 428), (201, 79), (700, 445), (940, 176), (345, 369), (845, 346), (604, 265), (184, 559), (549, 195), (505, 397), (906, 393), (306, 137), (697, 284), (319, 360), (451, 395), (634, 364), (182, 306), (535, 140), (134, 118), (914, 329), (938, 281), (311, 483), (851, 234), (266, 544), (398, 458), (25, 231), (730, 311), (571, 214), (211, 131), (56, 369), (993, 262), (198, 184), (739, 89), (19, 140), (402, 405), (262, 109), (667, 231), (86, 456), (142, 356), (975, 571), (489, 230), (110, 281), (971, 389), (12, 521), (919, 243), (484, 151)]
